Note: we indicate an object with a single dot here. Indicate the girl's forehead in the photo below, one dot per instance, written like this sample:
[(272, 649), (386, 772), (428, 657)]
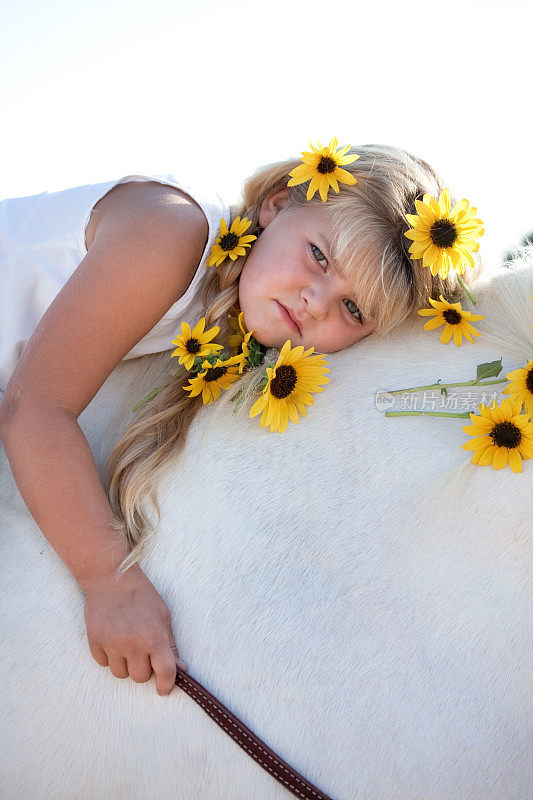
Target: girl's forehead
[(345, 243), (314, 221)]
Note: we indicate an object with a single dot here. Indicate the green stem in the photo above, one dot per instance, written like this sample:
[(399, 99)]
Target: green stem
[(459, 415), (462, 283), (473, 382), (156, 391)]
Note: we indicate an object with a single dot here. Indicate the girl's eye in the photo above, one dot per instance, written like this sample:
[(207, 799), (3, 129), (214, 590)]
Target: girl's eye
[(314, 248), (355, 311)]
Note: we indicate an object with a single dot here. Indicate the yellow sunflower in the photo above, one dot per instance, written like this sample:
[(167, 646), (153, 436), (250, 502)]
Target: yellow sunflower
[(501, 433), (194, 343), (214, 378), (290, 382), (323, 168), (521, 386), (239, 340), (231, 243), (457, 321), (444, 237), (236, 338)]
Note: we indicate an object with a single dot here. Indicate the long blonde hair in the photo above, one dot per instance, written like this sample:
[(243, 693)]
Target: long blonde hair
[(366, 218)]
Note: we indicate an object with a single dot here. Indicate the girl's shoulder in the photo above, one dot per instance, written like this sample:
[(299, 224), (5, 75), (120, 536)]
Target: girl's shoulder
[(138, 197), (145, 252)]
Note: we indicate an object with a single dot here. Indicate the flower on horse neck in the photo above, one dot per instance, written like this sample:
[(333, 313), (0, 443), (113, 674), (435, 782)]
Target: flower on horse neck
[(211, 378), (521, 386), (454, 319), (502, 434), (288, 387)]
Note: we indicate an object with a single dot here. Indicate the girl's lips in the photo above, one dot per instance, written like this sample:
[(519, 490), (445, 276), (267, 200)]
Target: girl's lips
[(287, 317)]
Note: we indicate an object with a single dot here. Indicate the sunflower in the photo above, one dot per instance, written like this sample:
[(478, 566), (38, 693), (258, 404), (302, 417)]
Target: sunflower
[(457, 321), (444, 238), (236, 338), (322, 168), (501, 433), (521, 386), (194, 343), (213, 378), (231, 243), (294, 376), (239, 340)]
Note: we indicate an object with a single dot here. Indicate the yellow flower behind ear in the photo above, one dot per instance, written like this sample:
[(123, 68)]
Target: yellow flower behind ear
[(501, 434), (231, 243), (456, 321), (191, 344), (521, 386), (443, 237), (295, 375), (323, 168), (213, 379)]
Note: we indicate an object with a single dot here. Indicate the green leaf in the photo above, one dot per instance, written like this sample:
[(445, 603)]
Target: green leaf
[(257, 352), (490, 369)]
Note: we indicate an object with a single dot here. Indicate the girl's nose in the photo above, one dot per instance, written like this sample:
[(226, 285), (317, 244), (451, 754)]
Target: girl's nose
[(316, 299)]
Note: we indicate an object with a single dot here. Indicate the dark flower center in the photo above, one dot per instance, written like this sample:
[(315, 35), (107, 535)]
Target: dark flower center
[(529, 381), (505, 434), (284, 382), (192, 346), (443, 233), (229, 241), (452, 316), (326, 164), (214, 374)]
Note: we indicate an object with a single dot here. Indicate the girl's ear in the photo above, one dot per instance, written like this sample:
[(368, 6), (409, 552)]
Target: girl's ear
[(272, 204)]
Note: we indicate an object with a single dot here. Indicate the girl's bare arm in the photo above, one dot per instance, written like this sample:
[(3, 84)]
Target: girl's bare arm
[(146, 249)]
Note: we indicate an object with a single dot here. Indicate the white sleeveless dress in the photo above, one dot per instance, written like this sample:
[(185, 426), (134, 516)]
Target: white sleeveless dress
[(42, 241)]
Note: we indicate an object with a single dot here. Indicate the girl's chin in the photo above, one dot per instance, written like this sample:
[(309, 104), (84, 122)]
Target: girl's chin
[(269, 340)]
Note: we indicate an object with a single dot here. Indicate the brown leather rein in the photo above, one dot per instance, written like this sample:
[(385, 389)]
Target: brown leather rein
[(252, 744)]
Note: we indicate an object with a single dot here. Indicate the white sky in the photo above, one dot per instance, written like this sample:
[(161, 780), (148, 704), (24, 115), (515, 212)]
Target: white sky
[(94, 91)]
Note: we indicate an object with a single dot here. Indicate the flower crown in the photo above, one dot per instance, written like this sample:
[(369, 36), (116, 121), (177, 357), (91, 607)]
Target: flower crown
[(445, 239)]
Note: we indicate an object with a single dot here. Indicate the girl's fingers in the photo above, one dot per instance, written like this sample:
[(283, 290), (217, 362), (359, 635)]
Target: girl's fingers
[(164, 665), (118, 666), (99, 654), (139, 669)]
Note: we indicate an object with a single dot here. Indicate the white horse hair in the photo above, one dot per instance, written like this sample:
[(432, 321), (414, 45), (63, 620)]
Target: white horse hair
[(355, 590)]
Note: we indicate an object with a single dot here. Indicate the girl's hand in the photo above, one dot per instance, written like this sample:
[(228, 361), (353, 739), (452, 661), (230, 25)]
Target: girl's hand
[(129, 629)]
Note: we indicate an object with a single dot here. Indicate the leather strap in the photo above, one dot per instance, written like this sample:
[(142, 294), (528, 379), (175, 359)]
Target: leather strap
[(252, 744)]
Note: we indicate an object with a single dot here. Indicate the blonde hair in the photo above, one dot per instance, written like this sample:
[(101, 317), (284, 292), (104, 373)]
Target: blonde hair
[(368, 225)]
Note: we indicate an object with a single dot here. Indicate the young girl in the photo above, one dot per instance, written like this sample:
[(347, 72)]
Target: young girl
[(99, 274)]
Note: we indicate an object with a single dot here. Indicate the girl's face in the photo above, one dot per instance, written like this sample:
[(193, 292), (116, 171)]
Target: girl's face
[(288, 273)]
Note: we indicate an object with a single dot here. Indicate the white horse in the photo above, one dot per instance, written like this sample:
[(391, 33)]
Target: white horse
[(354, 589)]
